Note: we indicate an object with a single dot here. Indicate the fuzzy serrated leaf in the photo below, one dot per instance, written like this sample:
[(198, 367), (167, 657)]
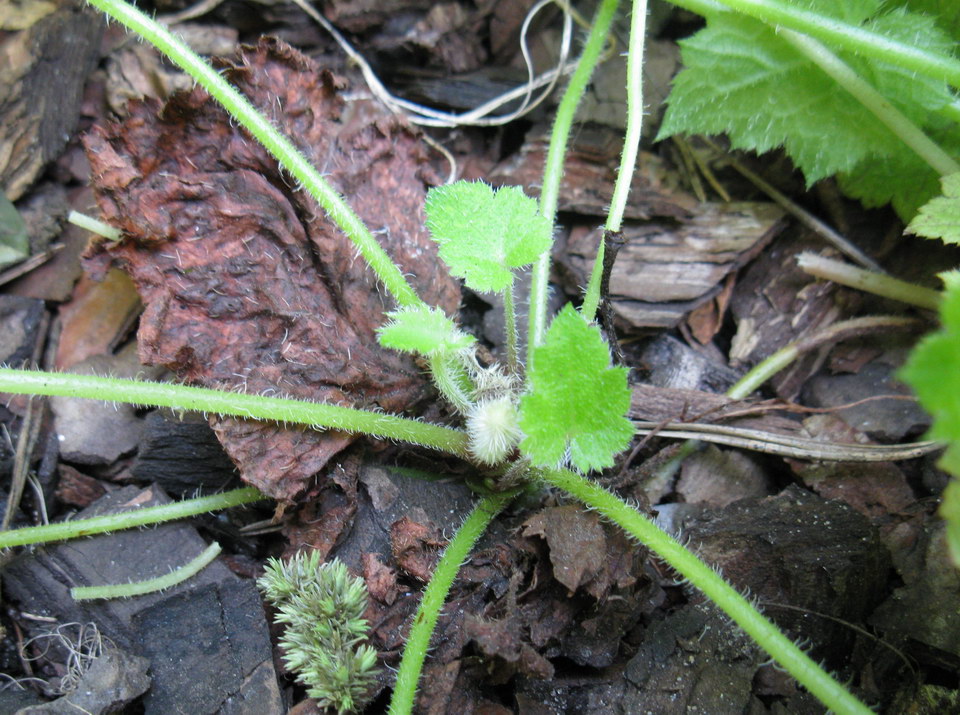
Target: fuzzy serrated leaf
[(423, 330), (742, 79), (933, 371), (483, 234), (940, 217), (578, 402)]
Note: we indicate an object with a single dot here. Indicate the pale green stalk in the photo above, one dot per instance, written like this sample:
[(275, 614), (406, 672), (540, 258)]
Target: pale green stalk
[(631, 147), (133, 518), (448, 376), (553, 169), (276, 143), (94, 225), (425, 619), (836, 33), (814, 678), (843, 330), (138, 588), (891, 117), (200, 399), (869, 281)]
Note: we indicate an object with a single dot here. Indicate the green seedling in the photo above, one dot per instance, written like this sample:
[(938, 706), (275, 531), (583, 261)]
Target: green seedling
[(559, 411)]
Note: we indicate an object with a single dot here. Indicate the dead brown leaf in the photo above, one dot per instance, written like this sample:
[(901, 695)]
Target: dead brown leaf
[(577, 543), (416, 547), (246, 284)]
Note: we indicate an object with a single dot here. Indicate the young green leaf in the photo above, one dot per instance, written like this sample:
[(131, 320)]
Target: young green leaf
[(422, 330), (740, 78), (933, 372), (484, 234), (933, 369), (940, 218), (577, 401)]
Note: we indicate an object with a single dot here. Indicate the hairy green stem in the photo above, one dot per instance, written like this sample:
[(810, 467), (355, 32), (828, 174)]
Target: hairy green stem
[(553, 169), (425, 620), (722, 594), (631, 147), (77, 528), (138, 588), (876, 283), (449, 376), (510, 328), (836, 33), (200, 399), (240, 108), (891, 117)]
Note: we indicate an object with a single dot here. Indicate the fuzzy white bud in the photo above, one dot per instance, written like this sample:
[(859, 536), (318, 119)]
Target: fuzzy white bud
[(493, 430)]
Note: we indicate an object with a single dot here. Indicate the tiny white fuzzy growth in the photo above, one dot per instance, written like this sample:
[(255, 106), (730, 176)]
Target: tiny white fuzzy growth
[(493, 430)]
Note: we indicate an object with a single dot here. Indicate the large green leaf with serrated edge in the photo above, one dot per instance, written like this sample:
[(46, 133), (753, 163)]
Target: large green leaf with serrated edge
[(741, 79), (933, 371), (483, 234), (422, 330), (940, 218), (577, 401)]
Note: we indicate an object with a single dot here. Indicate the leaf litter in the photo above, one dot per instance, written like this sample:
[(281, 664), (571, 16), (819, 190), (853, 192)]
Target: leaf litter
[(247, 285)]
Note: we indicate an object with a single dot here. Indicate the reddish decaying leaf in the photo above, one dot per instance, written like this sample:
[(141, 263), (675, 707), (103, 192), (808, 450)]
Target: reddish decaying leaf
[(381, 580), (577, 543), (246, 284), (416, 547)]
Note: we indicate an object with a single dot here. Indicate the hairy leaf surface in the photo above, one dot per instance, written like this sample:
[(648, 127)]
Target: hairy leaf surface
[(933, 372), (577, 400), (484, 234), (940, 218), (742, 79), (422, 330)]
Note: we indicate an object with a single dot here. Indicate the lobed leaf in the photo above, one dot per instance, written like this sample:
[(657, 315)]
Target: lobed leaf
[(424, 330), (577, 401), (940, 218), (741, 79), (933, 371), (483, 234)]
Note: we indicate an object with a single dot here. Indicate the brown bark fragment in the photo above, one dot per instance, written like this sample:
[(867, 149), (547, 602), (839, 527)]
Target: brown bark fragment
[(416, 547), (665, 270), (43, 68), (577, 543), (381, 580), (246, 284)]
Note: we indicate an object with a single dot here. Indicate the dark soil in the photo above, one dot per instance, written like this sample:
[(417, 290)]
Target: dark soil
[(229, 277)]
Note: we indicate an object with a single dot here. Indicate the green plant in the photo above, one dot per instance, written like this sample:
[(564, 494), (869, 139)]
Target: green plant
[(566, 407), (322, 606), (892, 133), (935, 363)]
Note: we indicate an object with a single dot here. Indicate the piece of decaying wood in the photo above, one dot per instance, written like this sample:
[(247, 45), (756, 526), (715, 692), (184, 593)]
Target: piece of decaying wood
[(666, 269)]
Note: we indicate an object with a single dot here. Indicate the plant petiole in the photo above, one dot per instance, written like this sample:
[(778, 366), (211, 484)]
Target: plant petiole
[(77, 528), (200, 399), (762, 630)]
